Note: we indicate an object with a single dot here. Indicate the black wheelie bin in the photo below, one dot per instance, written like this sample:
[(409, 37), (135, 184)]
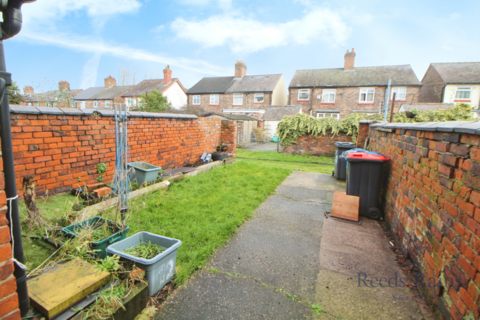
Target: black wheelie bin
[(340, 172), (364, 180)]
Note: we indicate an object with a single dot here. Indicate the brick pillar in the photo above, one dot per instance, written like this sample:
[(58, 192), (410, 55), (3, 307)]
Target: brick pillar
[(261, 124), (362, 133), (229, 135)]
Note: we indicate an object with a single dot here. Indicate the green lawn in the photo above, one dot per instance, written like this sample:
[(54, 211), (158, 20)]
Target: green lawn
[(271, 159), (202, 211)]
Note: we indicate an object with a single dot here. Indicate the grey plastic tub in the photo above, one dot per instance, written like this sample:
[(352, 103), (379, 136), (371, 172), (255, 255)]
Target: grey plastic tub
[(158, 270), (144, 172)]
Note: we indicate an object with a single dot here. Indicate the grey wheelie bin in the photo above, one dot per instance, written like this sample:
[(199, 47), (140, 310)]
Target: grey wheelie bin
[(364, 179), (340, 172)]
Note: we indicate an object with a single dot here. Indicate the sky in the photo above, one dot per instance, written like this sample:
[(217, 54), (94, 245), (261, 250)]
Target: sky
[(84, 41)]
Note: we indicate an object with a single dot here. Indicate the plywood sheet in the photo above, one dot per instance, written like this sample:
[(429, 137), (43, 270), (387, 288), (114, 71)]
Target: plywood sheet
[(59, 288), (345, 206)]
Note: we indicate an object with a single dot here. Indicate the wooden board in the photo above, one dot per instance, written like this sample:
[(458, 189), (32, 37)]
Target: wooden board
[(64, 285), (345, 207)]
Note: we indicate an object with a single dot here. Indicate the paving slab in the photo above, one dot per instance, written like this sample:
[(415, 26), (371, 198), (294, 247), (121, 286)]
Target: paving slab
[(220, 296), (261, 147)]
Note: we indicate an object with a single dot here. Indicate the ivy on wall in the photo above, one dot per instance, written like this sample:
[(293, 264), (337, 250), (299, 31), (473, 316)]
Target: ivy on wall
[(293, 127)]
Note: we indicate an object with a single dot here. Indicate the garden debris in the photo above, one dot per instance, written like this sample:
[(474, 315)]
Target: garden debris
[(100, 192), (93, 186)]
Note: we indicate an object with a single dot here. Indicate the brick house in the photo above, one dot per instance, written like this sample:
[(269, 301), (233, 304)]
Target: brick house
[(341, 91), (102, 97), (63, 97), (170, 88), (457, 82), (239, 93)]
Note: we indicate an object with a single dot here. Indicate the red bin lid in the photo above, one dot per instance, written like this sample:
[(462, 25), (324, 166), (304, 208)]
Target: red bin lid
[(365, 156)]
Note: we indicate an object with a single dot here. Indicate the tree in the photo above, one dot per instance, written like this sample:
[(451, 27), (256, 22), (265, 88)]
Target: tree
[(156, 102), (14, 96)]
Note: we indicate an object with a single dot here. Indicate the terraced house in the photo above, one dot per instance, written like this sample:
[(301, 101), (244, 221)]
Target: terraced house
[(102, 97), (341, 91), (63, 97), (242, 94)]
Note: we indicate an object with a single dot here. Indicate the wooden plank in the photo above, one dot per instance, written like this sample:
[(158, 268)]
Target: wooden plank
[(345, 206), (64, 285)]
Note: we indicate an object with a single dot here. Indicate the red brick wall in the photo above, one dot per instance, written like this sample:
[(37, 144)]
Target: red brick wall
[(226, 102), (325, 145), (229, 135), (64, 151), (432, 203), (8, 284)]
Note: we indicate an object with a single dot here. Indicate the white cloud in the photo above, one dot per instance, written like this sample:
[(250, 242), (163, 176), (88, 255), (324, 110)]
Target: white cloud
[(90, 69), (223, 4), (245, 35)]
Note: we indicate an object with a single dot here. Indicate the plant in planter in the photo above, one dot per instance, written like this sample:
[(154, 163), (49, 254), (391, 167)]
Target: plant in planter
[(144, 172), (222, 148), (155, 254)]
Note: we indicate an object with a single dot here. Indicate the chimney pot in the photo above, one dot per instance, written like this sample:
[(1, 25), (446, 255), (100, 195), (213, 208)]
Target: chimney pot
[(240, 69), (28, 90), (349, 60), (167, 75)]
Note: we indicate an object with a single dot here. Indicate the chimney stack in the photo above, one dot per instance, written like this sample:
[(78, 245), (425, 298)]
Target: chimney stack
[(63, 85), (167, 75), (28, 90), (240, 70), (110, 82), (349, 60)]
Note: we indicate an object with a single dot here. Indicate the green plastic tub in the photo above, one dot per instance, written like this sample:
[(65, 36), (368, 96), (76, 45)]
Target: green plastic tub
[(144, 172), (100, 247), (160, 269)]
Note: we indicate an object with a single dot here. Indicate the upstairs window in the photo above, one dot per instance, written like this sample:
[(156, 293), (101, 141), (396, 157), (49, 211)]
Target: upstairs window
[(463, 93), (258, 98), (95, 104), (303, 94), (328, 115), (238, 99), (107, 104), (214, 99), (400, 93), (366, 95), (196, 100), (328, 95)]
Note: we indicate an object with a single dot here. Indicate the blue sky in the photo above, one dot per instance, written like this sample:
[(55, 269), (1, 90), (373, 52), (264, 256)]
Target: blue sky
[(84, 41)]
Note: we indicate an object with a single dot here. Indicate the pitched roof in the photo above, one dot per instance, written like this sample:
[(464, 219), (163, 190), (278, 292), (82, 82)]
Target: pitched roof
[(277, 113), (361, 76), (110, 93), (426, 106), (458, 72), (149, 85), (51, 96), (88, 93), (261, 83), (232, 116), (211, 85)]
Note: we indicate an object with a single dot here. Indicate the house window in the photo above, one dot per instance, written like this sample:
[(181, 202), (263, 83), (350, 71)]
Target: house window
[(366, 95), (107, 104), (328, 115), (196, 100), (258, 98), (463, 93), (328, 95), (238, 99), (303, 94), (400, 93), (30, 104), (37, 104), (47, 104), (95, 104), (214, 99)]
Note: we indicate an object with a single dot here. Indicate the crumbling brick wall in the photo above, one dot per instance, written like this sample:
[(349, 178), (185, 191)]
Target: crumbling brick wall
[(432, 203), (322, 144)]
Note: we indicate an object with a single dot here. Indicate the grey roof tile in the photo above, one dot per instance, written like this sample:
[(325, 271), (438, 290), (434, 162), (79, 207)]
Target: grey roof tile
[(146, 86), (211, 85), (360, 76), (458, 72), (88, 93), (24, 109), (71, 111), (110, 93), (261, 83), (50, 110), (276, 113)]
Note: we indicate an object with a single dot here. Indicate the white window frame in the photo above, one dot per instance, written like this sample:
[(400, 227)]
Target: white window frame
[(302, 91), (239, 98), (398, 92), (463, 89), (107, 104), (196, 100), (327, 95), (328, 114), (366, 92), (95, 104), (258, 95), (214, 99)]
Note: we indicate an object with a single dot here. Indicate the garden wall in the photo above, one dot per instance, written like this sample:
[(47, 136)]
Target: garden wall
[(322, 144), (432, 203), (62, 147)]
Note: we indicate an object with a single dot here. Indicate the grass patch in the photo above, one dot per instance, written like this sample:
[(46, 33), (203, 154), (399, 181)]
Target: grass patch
[(287, 161)]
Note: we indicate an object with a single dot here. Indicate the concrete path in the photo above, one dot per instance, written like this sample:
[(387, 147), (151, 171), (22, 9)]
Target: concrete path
[(289, 257), (270, 146)]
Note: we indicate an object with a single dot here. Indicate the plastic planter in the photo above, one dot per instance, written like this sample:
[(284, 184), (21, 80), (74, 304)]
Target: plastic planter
[(98, 222), (144, 172), (158, 270)]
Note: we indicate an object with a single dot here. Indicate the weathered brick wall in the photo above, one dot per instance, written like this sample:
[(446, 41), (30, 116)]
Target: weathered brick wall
[(63, 151), (8, 283), (325, 145), (229, 135), (432, 203)]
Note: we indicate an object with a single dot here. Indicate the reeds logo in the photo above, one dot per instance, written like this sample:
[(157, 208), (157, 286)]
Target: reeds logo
[(400, 281)]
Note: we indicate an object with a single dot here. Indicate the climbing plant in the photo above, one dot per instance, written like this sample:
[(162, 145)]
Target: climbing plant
[(293, 127)]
